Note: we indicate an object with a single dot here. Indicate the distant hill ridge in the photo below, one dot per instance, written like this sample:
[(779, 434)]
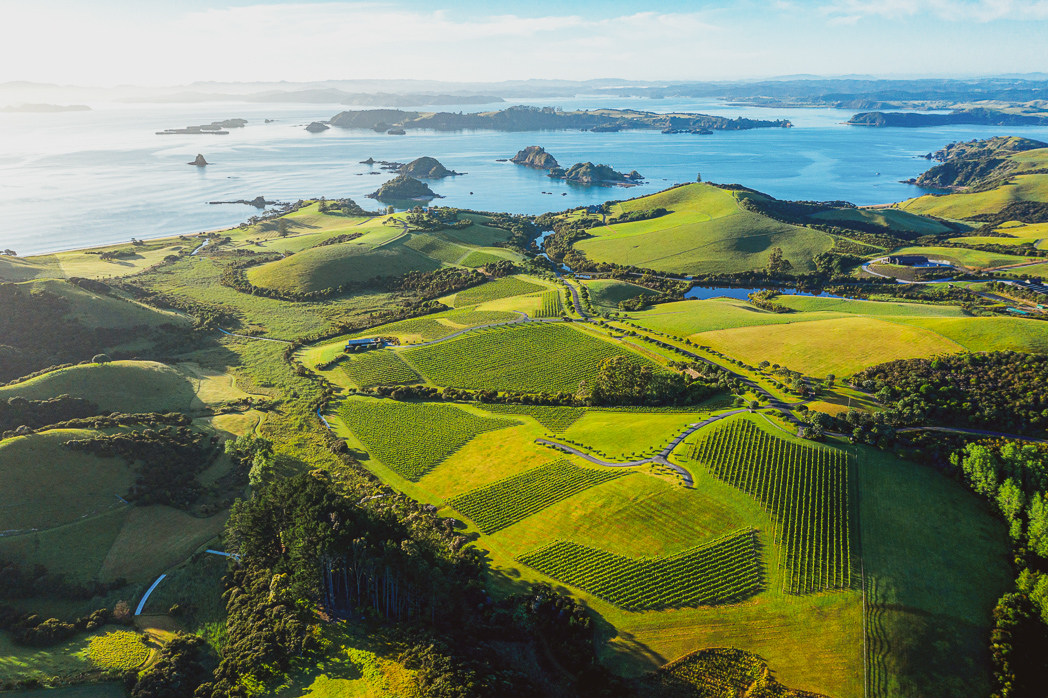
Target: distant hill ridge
[(979, 116)]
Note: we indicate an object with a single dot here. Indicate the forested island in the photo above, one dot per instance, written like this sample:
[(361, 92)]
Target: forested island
[(522, 118), (978, 116)]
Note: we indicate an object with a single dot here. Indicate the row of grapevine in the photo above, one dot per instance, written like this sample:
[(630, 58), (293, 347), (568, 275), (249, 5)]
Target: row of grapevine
[(550, 305), (725, 570), (512, 499), (721, 672), (556, 419), (379, 368), (494, 290), (534, 357), (412, 438), (804, 488)]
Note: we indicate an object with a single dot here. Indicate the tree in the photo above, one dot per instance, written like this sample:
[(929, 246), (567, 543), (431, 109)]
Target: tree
[(777, 264), (1038, 528), (101, 358), (282, 227), (620, 380)]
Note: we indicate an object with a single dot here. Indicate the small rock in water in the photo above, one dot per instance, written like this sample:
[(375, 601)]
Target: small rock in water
[(200, 161)]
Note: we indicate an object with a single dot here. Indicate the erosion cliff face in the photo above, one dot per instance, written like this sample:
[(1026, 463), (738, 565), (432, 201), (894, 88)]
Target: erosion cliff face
[(535, 156)]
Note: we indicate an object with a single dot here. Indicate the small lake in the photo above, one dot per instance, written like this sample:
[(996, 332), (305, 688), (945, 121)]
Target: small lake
[(704, 293)]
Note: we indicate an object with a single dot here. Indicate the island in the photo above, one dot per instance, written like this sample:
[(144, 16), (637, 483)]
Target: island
[(426, 168), (317, 127), (44, 108), (600, 175), (215, 128), (537, 157), (403, 188), (977, 116), (524, 118), (976, 165)]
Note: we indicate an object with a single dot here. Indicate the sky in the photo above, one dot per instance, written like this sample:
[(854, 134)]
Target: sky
[(157, 43)]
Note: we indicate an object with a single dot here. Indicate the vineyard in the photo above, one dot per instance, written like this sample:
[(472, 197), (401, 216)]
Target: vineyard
[(804, 488), (556, 419), (494, 290), (409, 438), (720, 672), (550, 305), (725, 570), (512, 499), (538, 357), (379, 368)]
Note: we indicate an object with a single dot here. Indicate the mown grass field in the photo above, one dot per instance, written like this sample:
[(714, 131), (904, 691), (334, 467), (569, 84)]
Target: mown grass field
[(706, 231), (531, 358), (121, 650), (891, 218)]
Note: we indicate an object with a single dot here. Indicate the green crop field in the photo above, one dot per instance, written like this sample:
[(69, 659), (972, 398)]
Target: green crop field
[(530, 358), (722, 571), (550, 305), (122, 650), (806, 490), (556, 419), (717, 672), (494, 290), (505, 502), (120, 386), (706, 232), (426, 434), (479, 258), (379, 368), (607, 294), (891, 218), (471, 317)]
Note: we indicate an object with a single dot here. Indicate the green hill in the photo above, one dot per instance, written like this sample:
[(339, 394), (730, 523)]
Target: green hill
[(706, 232), (890, 218), (120, 386)]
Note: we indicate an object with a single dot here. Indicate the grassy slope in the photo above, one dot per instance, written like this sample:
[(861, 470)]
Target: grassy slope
[(120, 386), (959, 206), (95, 310), (607, 293), (892, 219), (47, 485), (706, 232), (973, 259)]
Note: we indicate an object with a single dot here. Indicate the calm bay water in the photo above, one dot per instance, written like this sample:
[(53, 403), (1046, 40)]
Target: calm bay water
[(77, 179)]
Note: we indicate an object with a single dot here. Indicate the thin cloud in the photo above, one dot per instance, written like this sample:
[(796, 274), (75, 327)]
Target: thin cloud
[(851, 11)]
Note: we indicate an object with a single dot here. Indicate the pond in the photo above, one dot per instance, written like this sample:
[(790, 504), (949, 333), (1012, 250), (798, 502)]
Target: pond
[(707, 292)]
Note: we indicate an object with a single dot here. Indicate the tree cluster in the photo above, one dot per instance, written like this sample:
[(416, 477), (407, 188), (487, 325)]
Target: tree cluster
[(1001, 391), (166, 460), (32, 414), (32, 630)]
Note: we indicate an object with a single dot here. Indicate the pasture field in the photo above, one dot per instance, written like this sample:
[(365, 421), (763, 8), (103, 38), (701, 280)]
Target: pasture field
[(986, 333), (841, 347), (156, 538), (965, 205), (1040, 270), (806, 489), (719, 671), (1017, 232), (722, 571), (614, 435), (48, 485), (479, 258), (972, 259), (348, 262), (505, 287), (97, 311), (505, 502), (382, 367), (707, 231), (607, 293), (530, 358), (426, 433), (437, 248), (128, 386), (66, 660), (891, 218)]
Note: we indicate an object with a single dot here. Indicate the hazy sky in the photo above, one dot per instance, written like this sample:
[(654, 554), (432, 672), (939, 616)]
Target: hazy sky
[(111, 42)]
